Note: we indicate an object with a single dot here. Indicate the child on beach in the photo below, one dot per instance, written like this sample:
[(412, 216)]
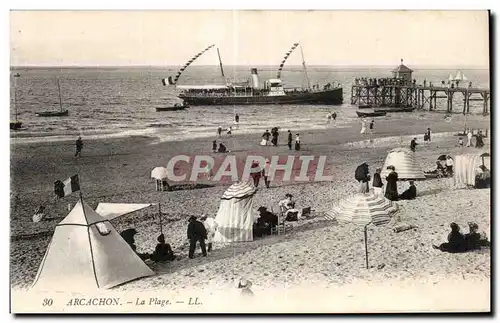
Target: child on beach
[(460, 142), (163, 251), (229, 131), (214, 146)]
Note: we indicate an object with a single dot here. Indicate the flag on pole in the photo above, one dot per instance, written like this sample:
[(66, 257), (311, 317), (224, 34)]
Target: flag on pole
[(62, 189)]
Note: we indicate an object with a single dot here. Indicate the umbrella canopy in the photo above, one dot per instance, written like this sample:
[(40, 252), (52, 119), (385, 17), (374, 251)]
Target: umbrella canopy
[(239, 190), (405, 163), (363, 209), (159, 173)]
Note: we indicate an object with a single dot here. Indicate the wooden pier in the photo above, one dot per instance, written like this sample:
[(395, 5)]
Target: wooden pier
[(417, 96)]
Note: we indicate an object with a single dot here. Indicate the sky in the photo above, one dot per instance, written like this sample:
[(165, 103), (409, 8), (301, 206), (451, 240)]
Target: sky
[(254, 37)]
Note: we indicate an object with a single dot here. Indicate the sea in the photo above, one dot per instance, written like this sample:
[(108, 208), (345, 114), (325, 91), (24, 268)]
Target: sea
[(106, 102)]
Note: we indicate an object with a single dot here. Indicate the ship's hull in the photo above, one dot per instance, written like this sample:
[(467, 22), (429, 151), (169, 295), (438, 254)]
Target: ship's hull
[(330, 97)]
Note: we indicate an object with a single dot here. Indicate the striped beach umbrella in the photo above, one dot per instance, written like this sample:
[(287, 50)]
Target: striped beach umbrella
[(405, 163), (363, 209)]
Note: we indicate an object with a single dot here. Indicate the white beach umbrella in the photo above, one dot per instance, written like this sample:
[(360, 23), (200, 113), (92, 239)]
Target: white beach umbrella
[(363, 209), (405, 163), (159, 173)]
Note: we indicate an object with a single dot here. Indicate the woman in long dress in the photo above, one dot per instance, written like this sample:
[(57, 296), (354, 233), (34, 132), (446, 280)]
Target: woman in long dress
[(363, 126)]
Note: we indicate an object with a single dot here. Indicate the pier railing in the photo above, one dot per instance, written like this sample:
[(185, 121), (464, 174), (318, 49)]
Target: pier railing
[(417, 96)]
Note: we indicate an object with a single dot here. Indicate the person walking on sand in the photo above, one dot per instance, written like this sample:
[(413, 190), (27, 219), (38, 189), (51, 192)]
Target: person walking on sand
[(363, 127), (79, 146), (290, 140), (196, 232), (229, 131), (219, 131), (297, 142), (237, 120)]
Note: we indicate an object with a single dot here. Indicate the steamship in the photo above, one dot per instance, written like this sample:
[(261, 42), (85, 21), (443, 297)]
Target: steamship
[(252, 92)]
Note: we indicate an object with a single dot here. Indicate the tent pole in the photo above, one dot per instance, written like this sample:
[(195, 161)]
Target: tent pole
[(159, 214), (366, 246)]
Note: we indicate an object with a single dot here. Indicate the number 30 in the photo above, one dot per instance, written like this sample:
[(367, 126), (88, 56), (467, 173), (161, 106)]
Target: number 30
[(47, 302)]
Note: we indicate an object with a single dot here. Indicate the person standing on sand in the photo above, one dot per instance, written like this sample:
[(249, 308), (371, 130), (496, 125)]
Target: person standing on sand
[(79, 146), (297, 142), (196, 232), (237, 120), (214, 146), (391, 188), (469, 138), (413, 144), (265, 172), (229, 131), (363, 126), (290, 140), (266, 136), (377, 182), (372, 123), (219, 131), (211, 227), (256, 173)]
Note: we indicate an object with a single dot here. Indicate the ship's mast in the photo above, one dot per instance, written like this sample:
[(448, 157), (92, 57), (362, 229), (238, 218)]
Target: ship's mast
[(305, 68), (59, 90), (220, 63), (15, 95)]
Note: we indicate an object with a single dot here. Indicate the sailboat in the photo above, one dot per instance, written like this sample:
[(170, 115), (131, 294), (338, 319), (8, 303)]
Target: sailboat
[(60, 113), (15, 125), (460, 76)]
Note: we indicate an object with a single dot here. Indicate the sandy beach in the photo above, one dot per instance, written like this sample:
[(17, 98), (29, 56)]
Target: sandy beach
[(317, 251)]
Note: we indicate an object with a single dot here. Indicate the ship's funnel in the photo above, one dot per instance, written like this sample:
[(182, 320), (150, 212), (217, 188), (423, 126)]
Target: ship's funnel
[(255, 78)]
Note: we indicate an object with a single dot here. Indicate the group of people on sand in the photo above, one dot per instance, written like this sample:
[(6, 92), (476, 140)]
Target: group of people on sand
[(479, 139), (458, 242), (162, 253), (275, 135), (362, 175), (267, 220)]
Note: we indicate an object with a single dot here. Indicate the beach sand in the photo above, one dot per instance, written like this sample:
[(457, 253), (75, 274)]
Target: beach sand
[(315, 252)]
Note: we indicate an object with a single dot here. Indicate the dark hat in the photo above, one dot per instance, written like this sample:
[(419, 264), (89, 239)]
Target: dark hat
[(473, 225), (288, 195), (161, 238), (453, 225), (192, 218)]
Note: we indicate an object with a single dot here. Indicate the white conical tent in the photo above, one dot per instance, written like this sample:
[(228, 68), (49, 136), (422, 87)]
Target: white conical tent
[(405, 163), (235, 217), (465, 168), (87, 253)]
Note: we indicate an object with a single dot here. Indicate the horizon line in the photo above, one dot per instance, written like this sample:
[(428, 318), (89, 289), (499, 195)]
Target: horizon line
[(255, 65)]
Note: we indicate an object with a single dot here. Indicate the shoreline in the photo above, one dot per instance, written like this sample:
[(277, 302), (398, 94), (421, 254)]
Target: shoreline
[(160, 134)]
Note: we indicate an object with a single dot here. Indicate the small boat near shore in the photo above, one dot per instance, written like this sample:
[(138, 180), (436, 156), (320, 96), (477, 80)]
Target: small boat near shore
[(370, 114), (60, 113), (15, 125), (392, 110), (175, 107)]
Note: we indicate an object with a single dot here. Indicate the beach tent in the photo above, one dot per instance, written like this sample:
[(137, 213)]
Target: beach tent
[(465, 168), (87, 253), (110, 211), (235, 217), (363, 209), (407, 167)]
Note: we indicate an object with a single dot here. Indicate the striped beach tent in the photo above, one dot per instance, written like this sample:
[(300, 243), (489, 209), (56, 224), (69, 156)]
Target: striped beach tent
[(405, 163), (235, 217), (465, 168), (363, 209)]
